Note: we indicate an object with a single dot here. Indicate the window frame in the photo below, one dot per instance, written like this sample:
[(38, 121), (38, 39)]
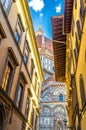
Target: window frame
[(19, 28), (19, 101), (12, 60), (82, 90), (82, 12), (76, 56), (32, 69), (8, 77), (27, 109), (79, 30), (26, 48), (8, 6), (17, 36), (77, 44), (23, 82)]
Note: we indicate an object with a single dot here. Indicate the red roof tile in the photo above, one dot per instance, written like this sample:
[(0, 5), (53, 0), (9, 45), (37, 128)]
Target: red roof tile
[(47, 42)]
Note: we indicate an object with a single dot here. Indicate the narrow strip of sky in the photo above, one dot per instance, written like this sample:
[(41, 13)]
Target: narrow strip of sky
[(42, 11)]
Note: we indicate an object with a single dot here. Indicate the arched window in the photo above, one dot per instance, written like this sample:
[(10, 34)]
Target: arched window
[(60, 97), (82, 91), (1, 120)]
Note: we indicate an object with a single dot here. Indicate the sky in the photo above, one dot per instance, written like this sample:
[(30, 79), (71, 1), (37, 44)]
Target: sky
[(42, 11)]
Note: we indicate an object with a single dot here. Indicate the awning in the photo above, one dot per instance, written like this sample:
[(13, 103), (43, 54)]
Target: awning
[(59, 47)]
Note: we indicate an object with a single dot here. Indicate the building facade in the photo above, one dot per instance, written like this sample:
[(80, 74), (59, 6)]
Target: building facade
[(20, 68), (53, 107), (76, 74), (74, 27), (46, 53), (53, 114)]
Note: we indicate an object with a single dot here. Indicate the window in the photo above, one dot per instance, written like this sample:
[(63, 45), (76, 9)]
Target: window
[(82, 11), (17, 36), (76, 43), (27, 108), (32, 68), (6, 4), (19, 29), (26, 53), (7, 77), (78, 28), (25, 58), (76, 55), (82, 90), (19, 95), (61, 97), (11, 64), (2, 32)]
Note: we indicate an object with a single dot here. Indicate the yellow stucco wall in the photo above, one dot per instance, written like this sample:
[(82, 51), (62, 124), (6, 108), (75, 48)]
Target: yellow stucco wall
[(80, 68)]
